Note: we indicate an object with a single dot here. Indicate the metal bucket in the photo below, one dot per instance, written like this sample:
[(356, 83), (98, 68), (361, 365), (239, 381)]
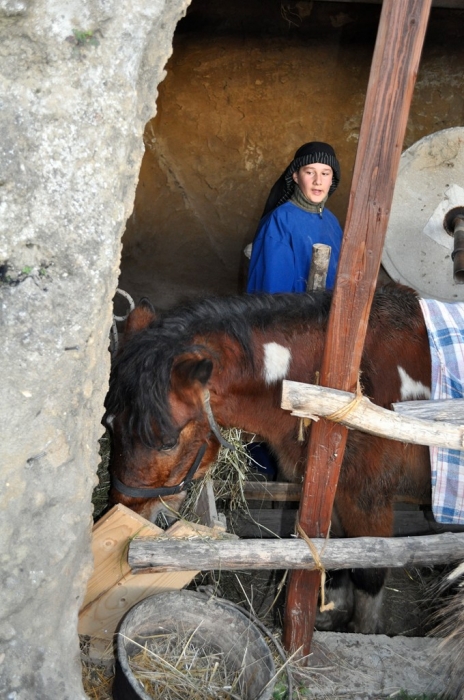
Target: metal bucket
[(215, 625)]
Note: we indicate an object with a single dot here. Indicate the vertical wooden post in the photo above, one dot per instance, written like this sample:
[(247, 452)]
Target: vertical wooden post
[(393, 73)]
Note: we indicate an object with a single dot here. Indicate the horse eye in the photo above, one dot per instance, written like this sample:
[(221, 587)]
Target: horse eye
[(166, 446)]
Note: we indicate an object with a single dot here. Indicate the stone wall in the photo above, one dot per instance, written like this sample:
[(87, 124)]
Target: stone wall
[(78, 84)]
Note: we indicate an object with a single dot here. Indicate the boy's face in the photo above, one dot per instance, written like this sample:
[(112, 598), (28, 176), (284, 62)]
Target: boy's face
[(314, 181)]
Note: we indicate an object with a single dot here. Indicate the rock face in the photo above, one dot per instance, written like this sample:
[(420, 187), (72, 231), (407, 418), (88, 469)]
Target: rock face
[(78, 84)]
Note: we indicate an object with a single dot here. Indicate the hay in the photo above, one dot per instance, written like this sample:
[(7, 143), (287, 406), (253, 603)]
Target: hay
[(97, 678), (96, 681), (173, 668), (449, 625), (231, 470)]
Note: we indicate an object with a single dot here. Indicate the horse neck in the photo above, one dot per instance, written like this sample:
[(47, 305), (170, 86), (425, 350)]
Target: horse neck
[(247, 395)]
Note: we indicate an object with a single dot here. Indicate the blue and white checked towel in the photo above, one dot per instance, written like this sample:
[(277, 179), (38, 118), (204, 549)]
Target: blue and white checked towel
[(445, 328)]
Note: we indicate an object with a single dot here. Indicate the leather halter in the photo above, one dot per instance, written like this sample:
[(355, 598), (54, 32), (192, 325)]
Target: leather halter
[(161, 491), (148, 492)]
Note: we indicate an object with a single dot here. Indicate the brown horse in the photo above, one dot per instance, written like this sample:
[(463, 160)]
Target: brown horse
[(223, 360)]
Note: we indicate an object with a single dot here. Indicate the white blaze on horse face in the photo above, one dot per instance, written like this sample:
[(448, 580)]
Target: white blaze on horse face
[(410, 389), (276, 362)]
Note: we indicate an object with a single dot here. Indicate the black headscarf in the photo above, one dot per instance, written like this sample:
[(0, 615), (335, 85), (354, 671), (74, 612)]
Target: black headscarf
[(313, 152)]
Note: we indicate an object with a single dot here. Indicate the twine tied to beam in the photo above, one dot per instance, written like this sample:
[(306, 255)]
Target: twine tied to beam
[(338, 416), (319, 567)]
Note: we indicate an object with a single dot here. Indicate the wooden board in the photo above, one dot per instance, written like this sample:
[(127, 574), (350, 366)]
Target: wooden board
[(205, 508), (112, 589), (311, 401), (277, 522), (276, 491), (264, 491)]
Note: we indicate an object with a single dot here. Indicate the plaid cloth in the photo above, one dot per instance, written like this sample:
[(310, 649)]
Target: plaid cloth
[(445, 328)]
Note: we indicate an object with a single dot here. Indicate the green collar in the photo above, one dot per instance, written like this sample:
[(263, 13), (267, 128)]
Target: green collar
[(303, 202)]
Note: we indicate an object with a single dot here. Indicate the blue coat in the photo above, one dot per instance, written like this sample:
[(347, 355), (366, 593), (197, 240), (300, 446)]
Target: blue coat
[(282, 249)]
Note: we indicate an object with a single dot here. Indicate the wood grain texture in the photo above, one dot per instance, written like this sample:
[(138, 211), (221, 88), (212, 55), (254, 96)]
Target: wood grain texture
[(258, 554), (113, 589), (311, 401)]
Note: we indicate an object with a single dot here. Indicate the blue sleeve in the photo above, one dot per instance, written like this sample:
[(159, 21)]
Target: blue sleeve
[(272, 263)]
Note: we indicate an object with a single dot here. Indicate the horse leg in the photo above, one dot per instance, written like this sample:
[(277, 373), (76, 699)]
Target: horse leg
[(339, 591), (358, 521), (369, 585)]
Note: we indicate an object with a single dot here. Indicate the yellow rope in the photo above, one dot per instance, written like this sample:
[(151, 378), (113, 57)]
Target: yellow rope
[(319, 566), (342, 412)]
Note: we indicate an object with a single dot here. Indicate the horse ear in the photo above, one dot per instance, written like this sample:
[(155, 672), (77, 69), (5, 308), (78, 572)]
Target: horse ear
[(190, 369), (189, 374), (140, 317)]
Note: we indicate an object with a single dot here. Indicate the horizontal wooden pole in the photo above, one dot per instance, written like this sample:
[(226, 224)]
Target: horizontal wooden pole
[(451, 410), (283, 491), (310, 401), (261, 490), (362, 552)]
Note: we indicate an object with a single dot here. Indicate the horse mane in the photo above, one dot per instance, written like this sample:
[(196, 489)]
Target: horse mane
[(140, 376)]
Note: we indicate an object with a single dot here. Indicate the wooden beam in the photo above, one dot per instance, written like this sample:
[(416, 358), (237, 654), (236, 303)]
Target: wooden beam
[(393, 73), (451, 410), (281, 491), (262, 490), (168, 555), (311, 401)]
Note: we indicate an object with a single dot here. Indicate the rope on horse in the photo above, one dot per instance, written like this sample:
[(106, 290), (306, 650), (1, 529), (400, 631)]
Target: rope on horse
[(319, 566)]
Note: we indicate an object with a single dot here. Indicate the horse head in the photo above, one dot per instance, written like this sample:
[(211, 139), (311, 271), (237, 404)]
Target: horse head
[(161, 444)]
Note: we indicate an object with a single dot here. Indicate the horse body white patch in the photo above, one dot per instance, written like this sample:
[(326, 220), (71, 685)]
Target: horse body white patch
[(410, 389), (276, 362)]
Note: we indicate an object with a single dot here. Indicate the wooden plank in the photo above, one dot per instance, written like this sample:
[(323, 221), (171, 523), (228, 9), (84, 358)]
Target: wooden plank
[(392, 77), (274, 523), (205, 508), (258, 554), (113, 589), (266, 523), (264, 491), (110, 539), (311, 401), (279, 491), (101, 617)]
